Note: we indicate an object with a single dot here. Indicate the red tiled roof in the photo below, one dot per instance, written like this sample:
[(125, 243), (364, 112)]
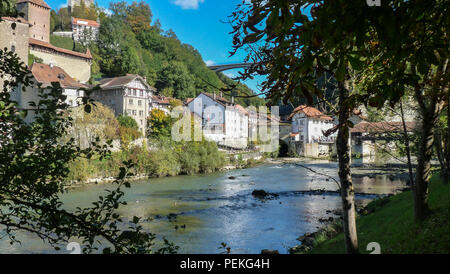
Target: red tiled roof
[(380, 127), (47, 74), (119, 81), (36, 2), (188, 100), (241, 109), (310, 112), (161, 99), (218, 99), (48, 46), (85, 22)]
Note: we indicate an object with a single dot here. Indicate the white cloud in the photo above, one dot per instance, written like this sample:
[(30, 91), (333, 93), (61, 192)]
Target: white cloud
[(64, 5), (210, 63), (188, 4)]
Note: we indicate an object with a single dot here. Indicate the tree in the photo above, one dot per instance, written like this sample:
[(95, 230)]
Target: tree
[(159, 124), (33, 167), (139, 16), (412, 53), (294, 51), (176, 76), (128, 122)]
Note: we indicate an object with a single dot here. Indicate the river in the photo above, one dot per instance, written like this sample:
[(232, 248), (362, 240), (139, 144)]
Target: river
[(216, 208)]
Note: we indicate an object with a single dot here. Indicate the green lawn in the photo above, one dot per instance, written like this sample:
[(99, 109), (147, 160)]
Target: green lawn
[(392, 225), (66, 43)]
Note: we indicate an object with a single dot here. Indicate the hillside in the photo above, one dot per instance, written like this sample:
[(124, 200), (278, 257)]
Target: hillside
[(129, 42)]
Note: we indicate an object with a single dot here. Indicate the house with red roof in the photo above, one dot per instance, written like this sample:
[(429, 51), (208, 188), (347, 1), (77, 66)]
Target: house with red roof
[(84, 30), (44, 75), (309, 125)]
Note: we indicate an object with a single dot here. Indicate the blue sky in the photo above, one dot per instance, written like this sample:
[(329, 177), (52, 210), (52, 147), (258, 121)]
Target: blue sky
[(196, 22)]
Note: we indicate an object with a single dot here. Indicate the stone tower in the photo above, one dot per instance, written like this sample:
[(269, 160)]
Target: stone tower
[(37, 13)]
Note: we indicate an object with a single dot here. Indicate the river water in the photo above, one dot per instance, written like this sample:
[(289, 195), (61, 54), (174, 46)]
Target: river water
[(216, 208)]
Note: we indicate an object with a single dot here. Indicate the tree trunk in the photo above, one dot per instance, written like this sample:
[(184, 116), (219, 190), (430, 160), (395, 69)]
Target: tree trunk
[(408, 149), (446, 174), (440, 153), (429, 118), (347, 192)]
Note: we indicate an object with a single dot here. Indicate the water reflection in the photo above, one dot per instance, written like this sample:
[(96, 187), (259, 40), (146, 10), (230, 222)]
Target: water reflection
[(209, 209)]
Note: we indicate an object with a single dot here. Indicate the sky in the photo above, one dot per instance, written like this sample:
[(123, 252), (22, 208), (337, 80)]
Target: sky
[(199, 23)]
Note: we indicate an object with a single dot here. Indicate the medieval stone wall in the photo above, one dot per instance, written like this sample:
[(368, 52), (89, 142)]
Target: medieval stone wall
[(78, 68)]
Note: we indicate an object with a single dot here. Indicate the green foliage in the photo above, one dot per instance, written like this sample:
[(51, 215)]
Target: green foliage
[(128, 122), (66, 43), (128, 43), (60, 20), (33, 59), (128, 130), (176, 77), (159, 124), (392, 225), (34, 169)]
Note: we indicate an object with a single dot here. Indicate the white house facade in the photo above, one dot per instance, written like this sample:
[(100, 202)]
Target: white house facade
[(84, 30), (223, 121), (308, 125)]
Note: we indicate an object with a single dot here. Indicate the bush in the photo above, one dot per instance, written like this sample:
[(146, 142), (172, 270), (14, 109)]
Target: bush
[(127, 122), (163, 163)]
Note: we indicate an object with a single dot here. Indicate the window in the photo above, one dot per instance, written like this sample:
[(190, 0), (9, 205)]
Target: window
[(141, 93), (141, 113), (134, 92), (139, 102), (130, 101)]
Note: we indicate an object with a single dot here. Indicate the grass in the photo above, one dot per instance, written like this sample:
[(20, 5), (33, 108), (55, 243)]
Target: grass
[(392, 225), (66, 43)]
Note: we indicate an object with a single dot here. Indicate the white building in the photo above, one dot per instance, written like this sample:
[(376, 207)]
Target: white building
[(44, 75), (84, 30), (223, 121), (308, 125)]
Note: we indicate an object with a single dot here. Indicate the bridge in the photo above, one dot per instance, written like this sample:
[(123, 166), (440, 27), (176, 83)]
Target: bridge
[(219, 68)]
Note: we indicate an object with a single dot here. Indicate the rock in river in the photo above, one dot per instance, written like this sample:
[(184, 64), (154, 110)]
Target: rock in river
[(262, 194), (269, 251)]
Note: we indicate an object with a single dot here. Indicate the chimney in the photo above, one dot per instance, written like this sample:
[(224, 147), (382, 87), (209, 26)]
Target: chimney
[(232, 99), (214, 96), (50, 65)]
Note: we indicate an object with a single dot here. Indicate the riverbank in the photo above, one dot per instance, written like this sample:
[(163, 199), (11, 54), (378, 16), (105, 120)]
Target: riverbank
[(242, 164), (394, 171), (389, 222)]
